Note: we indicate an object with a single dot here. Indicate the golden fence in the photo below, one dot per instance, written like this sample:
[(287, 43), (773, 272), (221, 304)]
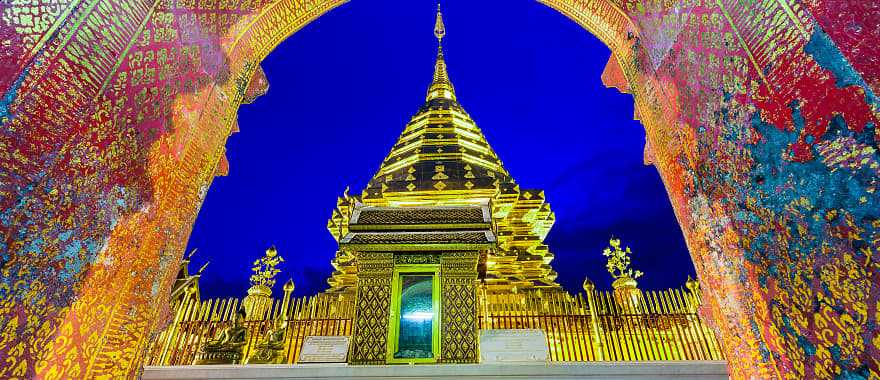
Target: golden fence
[(199, 321), (592, 326), (604, 326)]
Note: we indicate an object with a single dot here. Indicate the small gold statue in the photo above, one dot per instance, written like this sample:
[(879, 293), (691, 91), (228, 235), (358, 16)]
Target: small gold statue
[(226, 347), (271, 348)]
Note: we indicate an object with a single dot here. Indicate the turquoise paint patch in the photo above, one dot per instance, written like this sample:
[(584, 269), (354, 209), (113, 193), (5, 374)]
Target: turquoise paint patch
[(746, 216), (35, 246), (4, 254), (74, 261), (808, 347), (861, 373), (72, 249), (780, 184), (10, 96), (76, 255)]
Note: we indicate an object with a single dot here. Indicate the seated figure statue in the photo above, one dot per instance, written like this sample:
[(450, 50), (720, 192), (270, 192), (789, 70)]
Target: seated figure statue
[(270, 350), (226, 347)]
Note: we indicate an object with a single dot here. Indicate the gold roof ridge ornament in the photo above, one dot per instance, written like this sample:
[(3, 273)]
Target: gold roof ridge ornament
[(441, 87)]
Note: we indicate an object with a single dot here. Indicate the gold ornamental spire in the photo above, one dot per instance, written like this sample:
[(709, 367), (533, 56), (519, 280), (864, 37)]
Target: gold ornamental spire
[(439, 28), (441, 87)]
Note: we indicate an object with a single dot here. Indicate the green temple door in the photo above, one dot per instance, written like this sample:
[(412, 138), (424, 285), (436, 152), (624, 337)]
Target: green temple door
[(414, 323), (416, 307)]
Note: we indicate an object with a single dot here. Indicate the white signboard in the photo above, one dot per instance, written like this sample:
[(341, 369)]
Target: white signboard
[(514, 345), (324, 349)]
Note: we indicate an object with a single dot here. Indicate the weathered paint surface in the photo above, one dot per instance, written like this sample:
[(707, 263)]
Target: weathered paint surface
[(761, 118)]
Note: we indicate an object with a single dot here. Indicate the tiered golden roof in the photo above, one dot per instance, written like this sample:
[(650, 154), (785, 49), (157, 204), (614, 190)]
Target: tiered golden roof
[(443, 159)]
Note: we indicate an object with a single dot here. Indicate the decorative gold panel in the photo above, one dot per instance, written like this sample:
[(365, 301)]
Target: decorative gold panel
[(458, 281), (373, 304)]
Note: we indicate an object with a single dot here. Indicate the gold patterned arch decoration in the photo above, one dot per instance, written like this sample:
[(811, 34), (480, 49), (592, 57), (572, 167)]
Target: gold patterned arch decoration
[(742, 62)]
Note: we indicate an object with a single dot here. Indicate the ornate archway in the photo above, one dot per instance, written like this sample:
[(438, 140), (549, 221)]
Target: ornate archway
[(761, 120)]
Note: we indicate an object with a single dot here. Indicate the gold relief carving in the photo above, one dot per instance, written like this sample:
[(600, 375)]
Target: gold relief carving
[(422, 215), (458, 281), (447, 256), (459, 328), (431, 258), (271, 349), (444, 237), (226, 348), (102, 333), (373, 302), (460, 264), (373, 264), (371, 319)]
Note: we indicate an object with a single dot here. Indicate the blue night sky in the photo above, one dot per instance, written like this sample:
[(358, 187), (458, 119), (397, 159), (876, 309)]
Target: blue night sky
[(341, 91)]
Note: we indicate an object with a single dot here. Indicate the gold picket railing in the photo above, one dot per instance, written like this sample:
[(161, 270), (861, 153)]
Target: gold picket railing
[(603, 326), (591, 326), (199, 321)]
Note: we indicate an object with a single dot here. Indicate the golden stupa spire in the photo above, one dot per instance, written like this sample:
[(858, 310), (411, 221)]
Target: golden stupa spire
[(441, 87), (439, 28)]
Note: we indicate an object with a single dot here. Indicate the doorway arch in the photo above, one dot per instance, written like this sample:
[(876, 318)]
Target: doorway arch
[(749, 136)]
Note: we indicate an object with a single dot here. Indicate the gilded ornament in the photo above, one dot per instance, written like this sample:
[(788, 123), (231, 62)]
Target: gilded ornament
[(270, 350), (226, 347)]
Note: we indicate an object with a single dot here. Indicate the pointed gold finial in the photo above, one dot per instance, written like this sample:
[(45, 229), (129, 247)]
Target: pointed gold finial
[(441, 87), (692, 285), (439, 28), (588, 285)]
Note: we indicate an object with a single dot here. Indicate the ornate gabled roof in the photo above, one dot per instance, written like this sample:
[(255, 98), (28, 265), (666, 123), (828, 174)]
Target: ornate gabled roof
[(463, 227), (441, 148), (417, 237), (413, 241), (439, 217)]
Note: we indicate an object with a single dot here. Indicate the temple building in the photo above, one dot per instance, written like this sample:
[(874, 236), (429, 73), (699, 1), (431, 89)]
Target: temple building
[(441, 210), (440, 247), (443, 188)]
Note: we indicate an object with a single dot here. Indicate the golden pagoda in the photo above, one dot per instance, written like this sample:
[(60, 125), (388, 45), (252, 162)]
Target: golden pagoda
[(443, 208), (442, 175), (441, 246)]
